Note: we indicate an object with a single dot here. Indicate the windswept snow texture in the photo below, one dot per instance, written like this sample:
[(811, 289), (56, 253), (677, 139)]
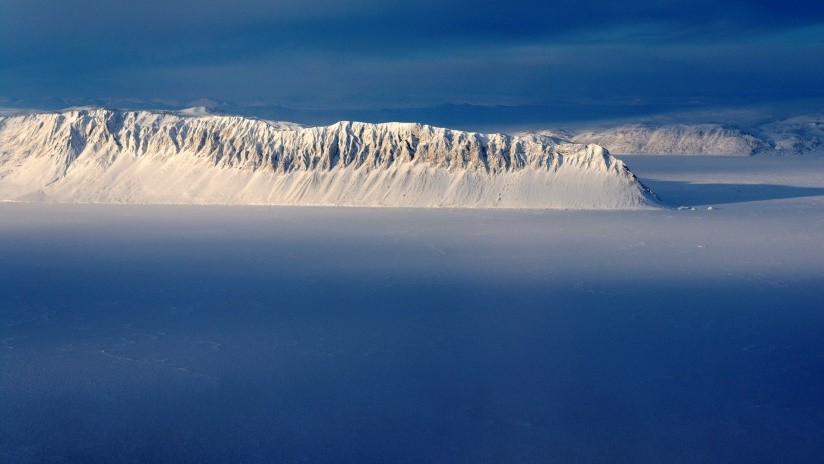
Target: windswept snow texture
[(190, 157), (794, 136)]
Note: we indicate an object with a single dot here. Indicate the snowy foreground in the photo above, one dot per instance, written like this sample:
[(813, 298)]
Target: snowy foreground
[(283, 334), (94, 155)]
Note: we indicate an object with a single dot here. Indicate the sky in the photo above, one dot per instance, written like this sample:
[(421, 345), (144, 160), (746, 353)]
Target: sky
[(411, 58)]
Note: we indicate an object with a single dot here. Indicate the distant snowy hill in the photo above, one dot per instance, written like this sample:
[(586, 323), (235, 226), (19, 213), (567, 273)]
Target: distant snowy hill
[(701, 139), (192, 156), (798, 135), (794, 136)]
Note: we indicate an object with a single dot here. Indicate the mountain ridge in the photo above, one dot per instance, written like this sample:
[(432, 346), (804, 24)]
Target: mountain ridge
[(111, 156)]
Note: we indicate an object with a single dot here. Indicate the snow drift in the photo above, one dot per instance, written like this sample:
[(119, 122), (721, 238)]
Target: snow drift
[(105, 156)]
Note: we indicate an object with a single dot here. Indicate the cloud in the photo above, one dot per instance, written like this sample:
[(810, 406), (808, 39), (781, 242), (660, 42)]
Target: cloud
[(358, 52)]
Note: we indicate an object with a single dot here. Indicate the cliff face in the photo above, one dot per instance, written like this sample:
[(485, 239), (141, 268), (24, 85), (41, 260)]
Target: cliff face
[(99, 155)]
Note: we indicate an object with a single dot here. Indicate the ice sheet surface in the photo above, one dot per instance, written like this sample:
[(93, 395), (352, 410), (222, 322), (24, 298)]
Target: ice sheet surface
[(258, 334)]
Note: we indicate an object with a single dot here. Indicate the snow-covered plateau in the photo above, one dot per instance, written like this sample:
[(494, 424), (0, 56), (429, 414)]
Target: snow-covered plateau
[(94, 155)]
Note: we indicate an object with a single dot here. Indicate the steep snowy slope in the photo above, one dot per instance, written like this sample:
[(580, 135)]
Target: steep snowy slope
[(99, 155)]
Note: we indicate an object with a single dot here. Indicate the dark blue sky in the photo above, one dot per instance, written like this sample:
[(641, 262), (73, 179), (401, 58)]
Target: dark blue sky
[(345, 55)]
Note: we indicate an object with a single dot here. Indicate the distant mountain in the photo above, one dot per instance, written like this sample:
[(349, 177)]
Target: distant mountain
[(459, 115), (798, 135), (192, 156), (701, 139), (794, 136)]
